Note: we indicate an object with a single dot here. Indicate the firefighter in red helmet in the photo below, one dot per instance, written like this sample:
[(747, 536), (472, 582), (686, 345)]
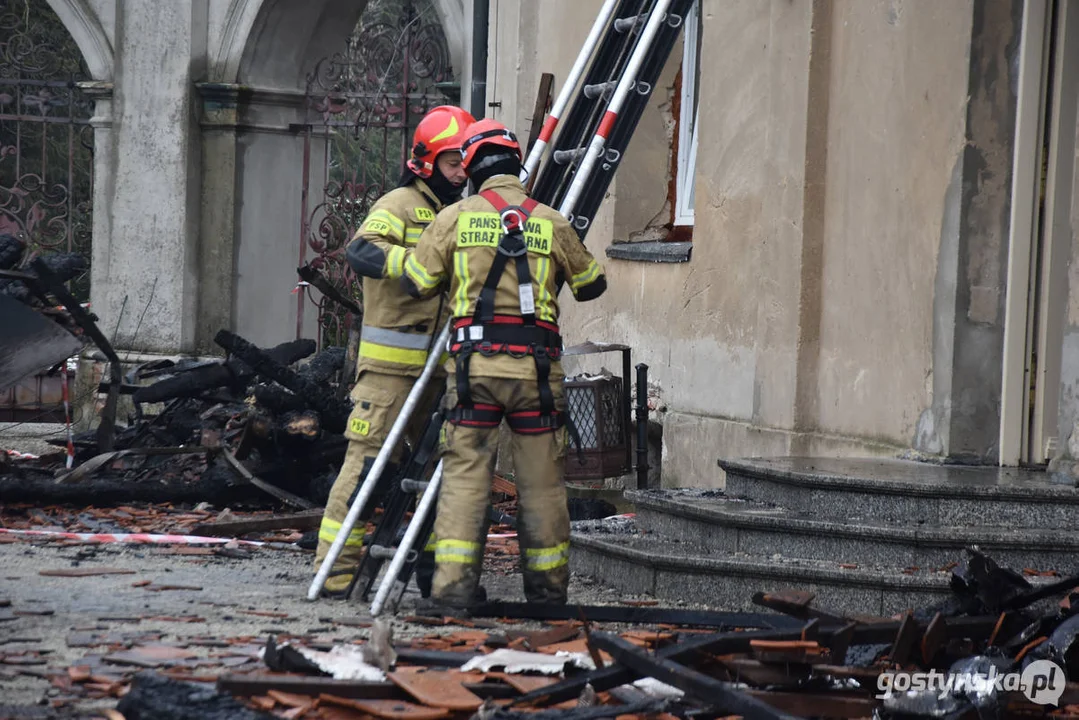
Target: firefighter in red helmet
[(398, 330), (504, 258)]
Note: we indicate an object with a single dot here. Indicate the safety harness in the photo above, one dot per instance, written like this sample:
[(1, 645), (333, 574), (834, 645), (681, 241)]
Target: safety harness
[(490, 334)]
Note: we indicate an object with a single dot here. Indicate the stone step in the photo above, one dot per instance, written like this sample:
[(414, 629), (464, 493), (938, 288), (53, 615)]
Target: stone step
[(713, 523), (905, 492), (643, 563)]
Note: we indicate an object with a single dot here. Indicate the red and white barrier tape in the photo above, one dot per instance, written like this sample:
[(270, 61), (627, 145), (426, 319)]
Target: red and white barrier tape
[(16, 455), (136, 538)]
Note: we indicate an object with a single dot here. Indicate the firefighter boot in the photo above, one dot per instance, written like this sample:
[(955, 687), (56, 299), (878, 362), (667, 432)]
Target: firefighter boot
[(467, 461), (542, 515), (348, 480), (425, 568)]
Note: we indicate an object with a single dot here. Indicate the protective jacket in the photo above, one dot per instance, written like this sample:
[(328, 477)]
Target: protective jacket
[(398, 329), (460, 248)]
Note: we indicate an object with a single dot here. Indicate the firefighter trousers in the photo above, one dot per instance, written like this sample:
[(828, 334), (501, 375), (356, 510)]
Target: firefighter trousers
[(378, 398), (468, 457)]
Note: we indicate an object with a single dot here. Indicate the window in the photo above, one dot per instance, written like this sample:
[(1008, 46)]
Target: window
[(686, 161)]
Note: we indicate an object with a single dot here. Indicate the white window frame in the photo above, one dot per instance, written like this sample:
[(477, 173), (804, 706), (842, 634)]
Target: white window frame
[(687, 126)]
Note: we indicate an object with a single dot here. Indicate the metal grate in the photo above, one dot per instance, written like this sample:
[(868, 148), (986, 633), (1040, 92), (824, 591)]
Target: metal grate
[(595, 407), (364, 102), (581, 405)]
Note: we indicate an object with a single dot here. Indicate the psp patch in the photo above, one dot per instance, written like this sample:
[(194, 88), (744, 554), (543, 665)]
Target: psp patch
[(377, 227)]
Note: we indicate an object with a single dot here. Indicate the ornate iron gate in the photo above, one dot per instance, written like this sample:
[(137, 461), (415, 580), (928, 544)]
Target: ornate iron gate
[(363, 105), (46, 142), (46, 164)]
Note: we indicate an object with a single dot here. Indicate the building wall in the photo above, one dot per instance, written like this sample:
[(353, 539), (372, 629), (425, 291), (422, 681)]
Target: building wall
[(896, 130), (817, 314)]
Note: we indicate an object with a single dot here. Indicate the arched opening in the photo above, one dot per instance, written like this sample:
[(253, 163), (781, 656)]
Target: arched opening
[(364, 103), (317, 90), (46, 142)]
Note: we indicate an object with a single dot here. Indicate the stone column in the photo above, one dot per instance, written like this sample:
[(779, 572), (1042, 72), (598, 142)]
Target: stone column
[(145, 282)]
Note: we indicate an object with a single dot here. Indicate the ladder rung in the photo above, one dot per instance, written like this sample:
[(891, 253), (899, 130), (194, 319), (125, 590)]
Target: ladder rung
[(381, 552), (622, 25), (594, 91), (628, 23), (413, 486), (564, 157)]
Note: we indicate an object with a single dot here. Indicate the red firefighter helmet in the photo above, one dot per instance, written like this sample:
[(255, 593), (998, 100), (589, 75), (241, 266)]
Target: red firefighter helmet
[(487, 132), (441, 129)]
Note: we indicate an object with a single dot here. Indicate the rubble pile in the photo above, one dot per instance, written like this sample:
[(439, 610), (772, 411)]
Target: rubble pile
[(65, 266), (254, 425)]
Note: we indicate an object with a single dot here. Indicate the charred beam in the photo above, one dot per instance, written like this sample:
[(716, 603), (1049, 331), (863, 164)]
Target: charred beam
[(233, 372), (723, 696), (282, 495), (334, 412), (739, 642), (54, 283), (316, 279), (155, 697), (305, 520), (247, 685)]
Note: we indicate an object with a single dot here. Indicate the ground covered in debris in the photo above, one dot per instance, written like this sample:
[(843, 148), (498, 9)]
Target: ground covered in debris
[(79, 619), (160, 622)]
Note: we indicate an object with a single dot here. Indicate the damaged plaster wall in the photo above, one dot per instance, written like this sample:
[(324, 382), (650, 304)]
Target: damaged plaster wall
[(850, 241), (720, 333), (898, 103), (642, 209), (963, 420), (1068, 412)]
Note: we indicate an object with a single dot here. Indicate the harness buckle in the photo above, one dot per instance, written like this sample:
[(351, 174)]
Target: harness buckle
[(522, 249), (513, 219), (540, 352)]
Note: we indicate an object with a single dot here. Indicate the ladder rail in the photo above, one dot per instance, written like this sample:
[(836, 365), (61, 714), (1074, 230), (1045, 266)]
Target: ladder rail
[(626, 85), (412, 532), (568, 88), (381, 460), (617, 143), (611, 56)]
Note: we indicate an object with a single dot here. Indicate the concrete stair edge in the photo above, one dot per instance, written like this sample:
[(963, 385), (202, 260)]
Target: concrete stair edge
[(927, 536), (742, 469), (762, 568)]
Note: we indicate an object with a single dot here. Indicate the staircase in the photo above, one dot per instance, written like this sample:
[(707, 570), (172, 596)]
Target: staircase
[(866, 536)]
